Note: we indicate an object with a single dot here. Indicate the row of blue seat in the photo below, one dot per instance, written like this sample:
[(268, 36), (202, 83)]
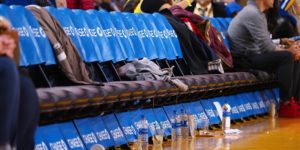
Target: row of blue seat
[(120, 128), (98, 35)]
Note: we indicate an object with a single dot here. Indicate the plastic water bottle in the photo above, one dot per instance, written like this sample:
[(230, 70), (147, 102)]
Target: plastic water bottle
[(226, 117), (178, 126), (173, 122), (143, 134), (184, 124)]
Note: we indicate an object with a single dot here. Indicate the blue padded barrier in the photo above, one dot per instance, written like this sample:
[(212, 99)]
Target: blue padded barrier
[(85, 131), (276, 94), (71, 136), (153, 123), (102, 134), (195, 108), (45, 49), (247, 104), (125, 121), (40, 143), (253, 103), (163, 120), (170, 31), (151, 52), (121, 32), (241, 106), (137, 43), (53, 137), (29, 53), (114, 129), (210, 111), (109, 31), (160, 32), (87, 37), (157, 41), (261, 102), (69, 28)]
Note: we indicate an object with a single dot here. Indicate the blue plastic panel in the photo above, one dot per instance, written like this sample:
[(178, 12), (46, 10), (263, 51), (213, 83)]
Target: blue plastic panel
[(85, 130), (210, 111), (163, 120), (125, 121), (114, 129), (71, 136), (53, 137), (40, 143)]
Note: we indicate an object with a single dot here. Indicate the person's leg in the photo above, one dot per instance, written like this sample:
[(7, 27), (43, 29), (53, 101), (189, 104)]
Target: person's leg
[(9, 99), (280, 62), (28, 114)]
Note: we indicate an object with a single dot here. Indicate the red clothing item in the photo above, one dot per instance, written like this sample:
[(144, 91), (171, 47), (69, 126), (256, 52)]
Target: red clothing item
[(80, 4)]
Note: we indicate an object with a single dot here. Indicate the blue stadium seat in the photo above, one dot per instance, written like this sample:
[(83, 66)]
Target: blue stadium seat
[(87, 37), (29, 49), (109, 32), (221, 28), (148, 42), (166, 39), (69, 28), (45, 49), (121, 32), (103, 43), (151, 32), (162, 20), (138, 45)]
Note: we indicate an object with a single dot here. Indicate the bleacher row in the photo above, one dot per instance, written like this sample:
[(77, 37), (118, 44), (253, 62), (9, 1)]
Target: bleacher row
[(108, 40)]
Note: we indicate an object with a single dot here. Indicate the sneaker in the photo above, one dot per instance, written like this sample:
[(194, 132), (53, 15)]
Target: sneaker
[(289, 109)]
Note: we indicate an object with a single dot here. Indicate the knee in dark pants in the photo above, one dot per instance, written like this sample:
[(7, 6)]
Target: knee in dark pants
[(8, 68)]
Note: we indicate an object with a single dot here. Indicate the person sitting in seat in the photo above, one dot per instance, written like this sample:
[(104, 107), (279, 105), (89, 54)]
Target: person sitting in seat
[(19, 109), (252, 48)]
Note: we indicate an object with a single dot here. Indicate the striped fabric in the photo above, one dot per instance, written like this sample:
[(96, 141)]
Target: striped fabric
[(286, 4)]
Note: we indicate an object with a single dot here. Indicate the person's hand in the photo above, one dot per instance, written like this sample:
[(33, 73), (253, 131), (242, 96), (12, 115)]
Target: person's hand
[(287, 42), (295, 50), (7, 46)]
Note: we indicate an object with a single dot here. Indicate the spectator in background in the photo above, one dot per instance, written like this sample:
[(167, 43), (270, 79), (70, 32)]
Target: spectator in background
[(208, 8), (19, 109), (292, 7), (130, 5), (252, 48), (80, 4)]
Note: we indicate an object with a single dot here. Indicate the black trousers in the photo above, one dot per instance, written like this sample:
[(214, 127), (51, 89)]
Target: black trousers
[(279, 62), (19, 107)]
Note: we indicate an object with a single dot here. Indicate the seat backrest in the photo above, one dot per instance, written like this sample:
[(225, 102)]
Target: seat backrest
[(87, 37), (109, 31), (90, 49), (162, 32), (29, 50), (173, 36), (120, 30), (148, 42), (157, 41), (103, 43), (40, 36), (137, 43), (66, 22)]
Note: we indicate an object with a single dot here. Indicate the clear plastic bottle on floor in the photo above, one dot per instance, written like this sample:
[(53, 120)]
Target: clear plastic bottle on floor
[(184, 124), (226, 117), (143, 134)]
